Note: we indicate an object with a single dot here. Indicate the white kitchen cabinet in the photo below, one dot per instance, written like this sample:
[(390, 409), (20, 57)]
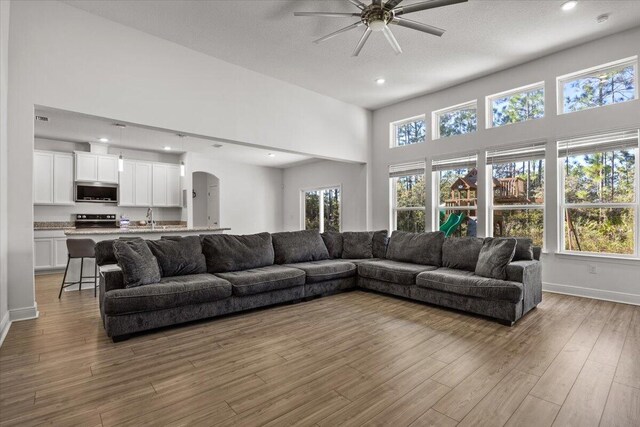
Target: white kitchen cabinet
[(96, 168), (126, 185), (166, 185), (52, 178), (173, 186), (135, 184), (60, 253), (43, 253), (50, 250)]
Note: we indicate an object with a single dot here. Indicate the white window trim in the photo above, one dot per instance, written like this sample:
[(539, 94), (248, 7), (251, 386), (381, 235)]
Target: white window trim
[(561, 80), (393, 203), (562, 206), (436, 198), (393, 125), (489, 101), (435, 117), (303, 211)]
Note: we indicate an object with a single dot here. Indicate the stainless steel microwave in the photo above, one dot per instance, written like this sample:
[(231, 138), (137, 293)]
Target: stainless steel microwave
[(95, 192)]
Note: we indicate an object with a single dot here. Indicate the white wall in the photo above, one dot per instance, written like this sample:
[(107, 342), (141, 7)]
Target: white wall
[(65, 58), (250, 196), (199, 203), (615, 280), (351, 176), (4, 182)]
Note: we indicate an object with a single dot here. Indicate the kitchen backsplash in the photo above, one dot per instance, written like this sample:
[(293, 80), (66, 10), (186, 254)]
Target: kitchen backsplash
[(66, 213)]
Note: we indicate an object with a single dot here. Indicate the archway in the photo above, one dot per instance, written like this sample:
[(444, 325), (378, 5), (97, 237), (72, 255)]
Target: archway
[(206, 200)]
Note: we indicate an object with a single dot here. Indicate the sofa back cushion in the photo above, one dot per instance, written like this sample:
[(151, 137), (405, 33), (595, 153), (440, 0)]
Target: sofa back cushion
[(298, 246), (495, 255), (333, 241), (178, 256), (357, 244), (524, 249), (228, 252), (139, 266), (416, 248), (461, 253), (379, 243)]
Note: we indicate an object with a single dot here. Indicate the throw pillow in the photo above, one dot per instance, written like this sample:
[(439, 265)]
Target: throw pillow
[(495, 255), (524, 249), (228, 252), (357, 244), (333, 242), (298, 246), (380, 241), (416, 248), (179, 256), (461, 253), (139, 266)]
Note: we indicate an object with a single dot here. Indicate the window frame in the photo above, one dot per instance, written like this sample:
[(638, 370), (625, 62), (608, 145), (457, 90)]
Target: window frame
[(563, 205), (561, 80), (393, 198), (527, 88), (435, 118), (394, 125), (321, 190)]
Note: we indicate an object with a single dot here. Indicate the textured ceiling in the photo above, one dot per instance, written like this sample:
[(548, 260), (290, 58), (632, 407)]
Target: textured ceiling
[(482, 36)]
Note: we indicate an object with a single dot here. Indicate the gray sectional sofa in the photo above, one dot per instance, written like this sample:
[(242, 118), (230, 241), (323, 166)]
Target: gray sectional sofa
[(221, 274)]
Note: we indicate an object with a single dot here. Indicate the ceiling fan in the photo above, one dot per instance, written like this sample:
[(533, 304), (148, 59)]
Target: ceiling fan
[(378, 15)]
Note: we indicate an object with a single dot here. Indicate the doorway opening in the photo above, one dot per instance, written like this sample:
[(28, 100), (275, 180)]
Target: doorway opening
[(206, 200)]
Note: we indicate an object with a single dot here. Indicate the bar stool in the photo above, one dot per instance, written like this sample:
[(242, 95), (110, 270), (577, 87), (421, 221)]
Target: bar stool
[(80, 248)]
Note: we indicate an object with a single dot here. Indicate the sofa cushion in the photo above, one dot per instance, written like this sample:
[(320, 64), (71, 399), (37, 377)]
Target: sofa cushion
[(357, 244), (104, 251), (333, 242), (179, 256), (320, 271), (495, 255), (416, 248), (169, 293), (139, 266), (379, 243), (298, 246), (461, 252), (227, 252), (466, 283), (385, 270), (263, 279), (524, 249)]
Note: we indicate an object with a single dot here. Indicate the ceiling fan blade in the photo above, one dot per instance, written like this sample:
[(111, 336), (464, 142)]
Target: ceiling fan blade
[(392, 40), (430, 4), (377, 2), (407, 23), (340, 31), (329, 14), (391, 4), (362, 41), (358, 4)]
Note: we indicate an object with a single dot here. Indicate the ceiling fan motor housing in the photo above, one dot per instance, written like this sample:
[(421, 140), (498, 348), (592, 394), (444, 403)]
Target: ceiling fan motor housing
[(376, 17)]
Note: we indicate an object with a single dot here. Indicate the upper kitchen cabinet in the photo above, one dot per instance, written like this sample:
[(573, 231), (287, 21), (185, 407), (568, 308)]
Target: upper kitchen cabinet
[(135, 184), (96, 168), (166, 185), (52, 178)]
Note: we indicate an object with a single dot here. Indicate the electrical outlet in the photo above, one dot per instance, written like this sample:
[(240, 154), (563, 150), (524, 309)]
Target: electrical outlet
[(593, 269)]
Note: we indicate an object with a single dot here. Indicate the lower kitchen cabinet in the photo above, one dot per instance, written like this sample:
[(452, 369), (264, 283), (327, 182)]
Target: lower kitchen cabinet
[(49, 250)]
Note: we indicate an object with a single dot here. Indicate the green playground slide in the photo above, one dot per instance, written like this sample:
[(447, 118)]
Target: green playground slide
[(452, 223)]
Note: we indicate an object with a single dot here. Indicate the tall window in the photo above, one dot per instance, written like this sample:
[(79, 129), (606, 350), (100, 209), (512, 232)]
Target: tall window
[(456, 186), (455, 120), (407, 197), (517, 190), (322, 209), (599, 188), (408, 131), (603, 85), (516, 105)]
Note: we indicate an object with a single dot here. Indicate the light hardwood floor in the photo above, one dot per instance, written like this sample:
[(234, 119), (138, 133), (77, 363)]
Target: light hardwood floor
[(351, 359)]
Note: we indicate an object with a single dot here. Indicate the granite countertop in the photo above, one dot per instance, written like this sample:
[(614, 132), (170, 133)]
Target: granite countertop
[(139, 230)]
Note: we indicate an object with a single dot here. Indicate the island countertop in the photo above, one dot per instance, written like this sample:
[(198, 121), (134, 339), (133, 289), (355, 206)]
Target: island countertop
[(167, 229)]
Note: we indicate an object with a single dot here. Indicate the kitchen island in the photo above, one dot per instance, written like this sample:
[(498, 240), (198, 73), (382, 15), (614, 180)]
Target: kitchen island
[(98, 234)]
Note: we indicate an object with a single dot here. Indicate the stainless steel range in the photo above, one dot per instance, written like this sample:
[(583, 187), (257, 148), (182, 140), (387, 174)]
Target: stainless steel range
[(96, 221)]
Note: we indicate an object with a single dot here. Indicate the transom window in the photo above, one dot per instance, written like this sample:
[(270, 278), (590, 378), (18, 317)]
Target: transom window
[(599, 187), (322, 209), (598, 86), (517, 192), (455, 184), (455, 120), (516, 105), (407, 196), (408, 131)]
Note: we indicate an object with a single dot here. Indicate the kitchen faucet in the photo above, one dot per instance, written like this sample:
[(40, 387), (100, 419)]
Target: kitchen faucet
[(150, 218)]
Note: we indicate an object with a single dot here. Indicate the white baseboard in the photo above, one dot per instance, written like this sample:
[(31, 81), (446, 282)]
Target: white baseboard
[(5, 324), (25, 313), (592, 293)]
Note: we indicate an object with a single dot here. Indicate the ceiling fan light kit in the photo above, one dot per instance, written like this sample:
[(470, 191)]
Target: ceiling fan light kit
[(377, 17)]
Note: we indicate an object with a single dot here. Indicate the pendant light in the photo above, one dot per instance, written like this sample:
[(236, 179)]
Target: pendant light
[(120, 163), (120, 158), (182, 167)]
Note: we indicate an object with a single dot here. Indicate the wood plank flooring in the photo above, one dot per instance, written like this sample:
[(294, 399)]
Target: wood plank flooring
[(351, 359)]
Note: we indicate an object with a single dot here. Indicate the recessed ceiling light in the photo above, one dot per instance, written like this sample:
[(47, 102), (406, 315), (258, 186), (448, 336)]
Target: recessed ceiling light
[(380, 81), (566, 6), (217, 145), (602, 18), (167, 148), (103, 139), (271, 155)]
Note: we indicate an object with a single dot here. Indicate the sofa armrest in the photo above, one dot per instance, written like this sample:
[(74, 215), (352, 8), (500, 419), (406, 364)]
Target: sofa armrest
[(529, 273), (111, 278)]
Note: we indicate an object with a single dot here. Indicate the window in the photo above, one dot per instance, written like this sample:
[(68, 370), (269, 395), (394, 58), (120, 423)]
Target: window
[(517, 189), (599, 187), (456, 120), (517, 105), (603, 85), (322, 209), (456, 187), (408, 131), (407, 197)]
